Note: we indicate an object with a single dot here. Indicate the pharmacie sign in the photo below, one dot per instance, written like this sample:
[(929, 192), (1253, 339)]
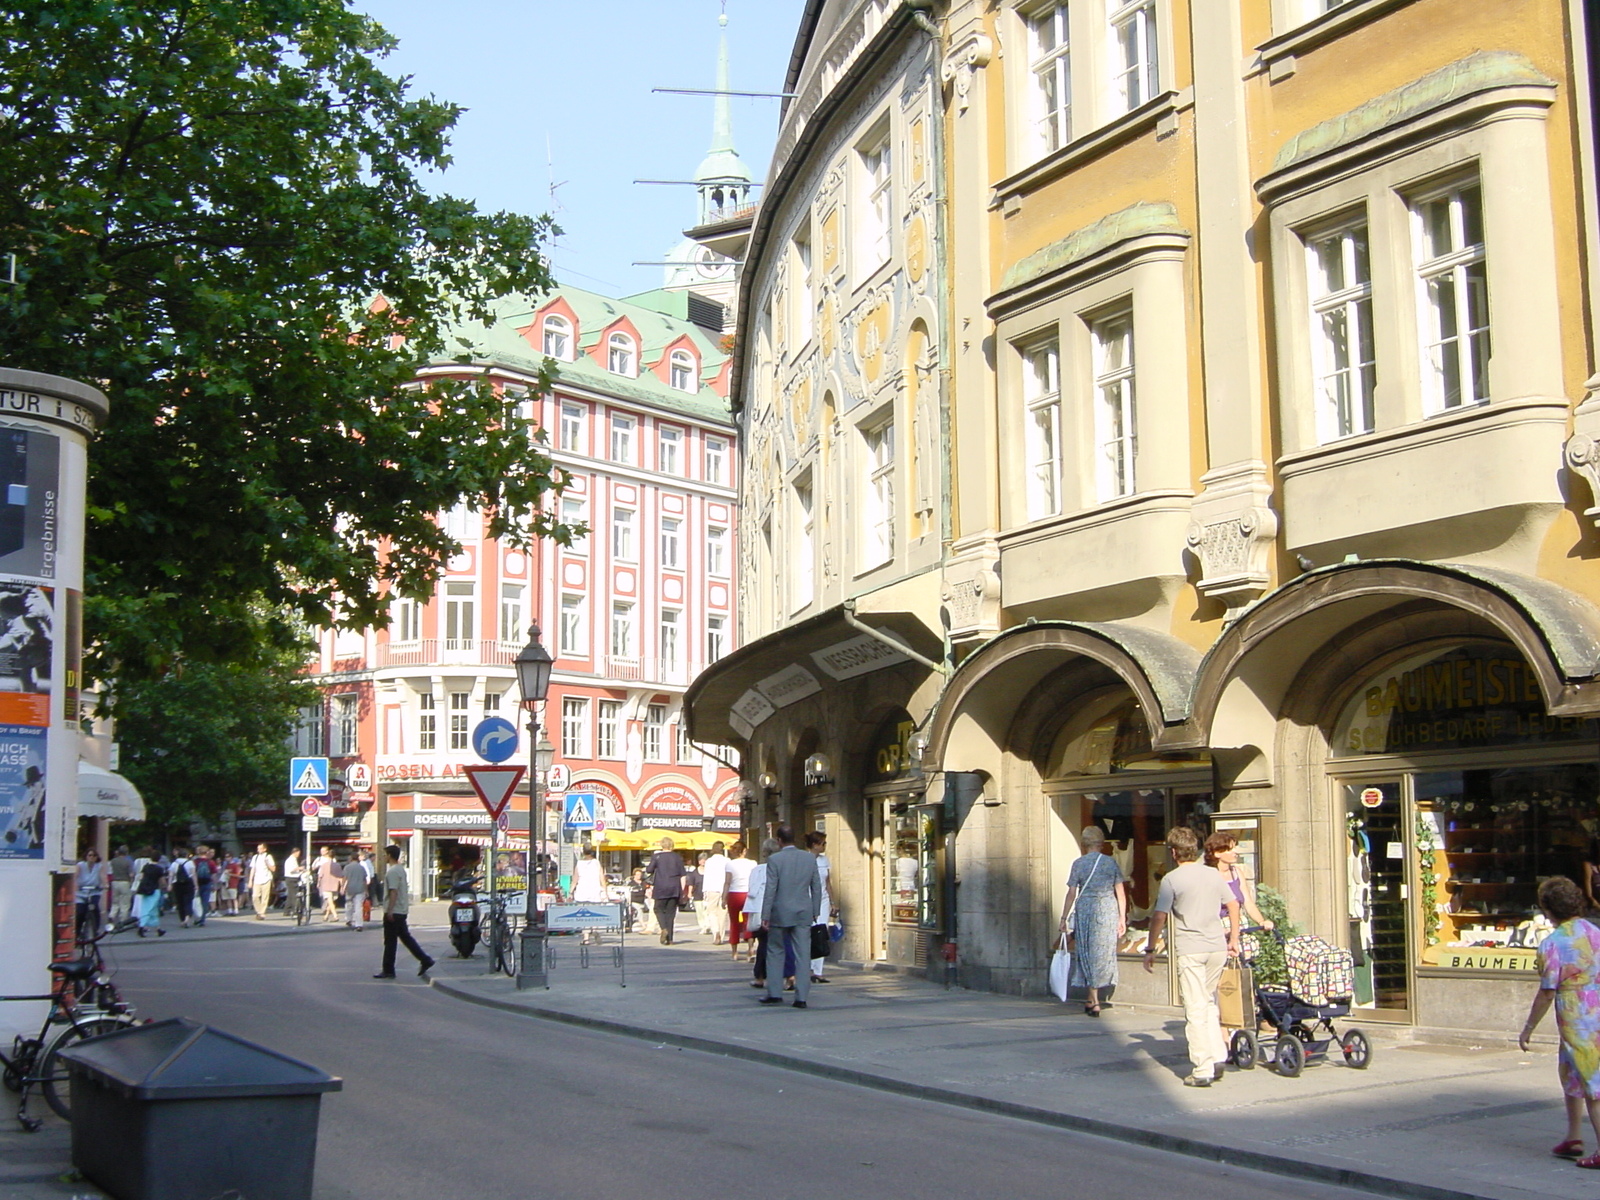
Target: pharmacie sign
[(1467, 696), (671, 808)]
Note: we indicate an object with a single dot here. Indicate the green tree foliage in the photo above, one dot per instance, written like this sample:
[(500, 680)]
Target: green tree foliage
[(204, 737), (204, 200)]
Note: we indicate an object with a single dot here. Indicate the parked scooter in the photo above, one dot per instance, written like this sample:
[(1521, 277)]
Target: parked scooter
[(464, 916)]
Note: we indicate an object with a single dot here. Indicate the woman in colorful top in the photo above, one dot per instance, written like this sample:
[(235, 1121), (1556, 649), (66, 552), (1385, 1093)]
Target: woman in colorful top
[(1094, 916), (1222, 852), (1569, 961)]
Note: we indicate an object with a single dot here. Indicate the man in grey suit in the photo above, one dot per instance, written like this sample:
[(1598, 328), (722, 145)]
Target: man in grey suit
[(789, 909)]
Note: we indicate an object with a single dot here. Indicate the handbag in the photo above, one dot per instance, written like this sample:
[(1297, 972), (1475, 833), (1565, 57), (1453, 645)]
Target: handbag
[(820, 942), (1236, 995), (1061, 971)]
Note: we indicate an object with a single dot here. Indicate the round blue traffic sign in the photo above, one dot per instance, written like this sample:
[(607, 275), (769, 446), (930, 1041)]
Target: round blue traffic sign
[(494, 739)]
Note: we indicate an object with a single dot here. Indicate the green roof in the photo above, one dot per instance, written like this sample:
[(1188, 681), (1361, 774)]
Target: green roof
[(502, 344)]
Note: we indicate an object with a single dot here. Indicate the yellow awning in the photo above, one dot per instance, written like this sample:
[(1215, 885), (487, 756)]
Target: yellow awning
[(650, 839)]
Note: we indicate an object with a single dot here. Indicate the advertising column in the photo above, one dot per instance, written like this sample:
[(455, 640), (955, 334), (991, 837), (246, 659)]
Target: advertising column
[(45, 424)]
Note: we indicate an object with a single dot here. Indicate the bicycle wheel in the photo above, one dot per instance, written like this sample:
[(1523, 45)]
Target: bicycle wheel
[(505, 949), (52, 1078)]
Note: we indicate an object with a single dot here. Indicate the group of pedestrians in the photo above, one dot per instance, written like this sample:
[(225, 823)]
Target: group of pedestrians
[(727, 894), (139, 887), (324, 879)]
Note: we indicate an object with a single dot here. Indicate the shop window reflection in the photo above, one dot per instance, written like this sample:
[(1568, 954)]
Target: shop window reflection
[(1136, 815)]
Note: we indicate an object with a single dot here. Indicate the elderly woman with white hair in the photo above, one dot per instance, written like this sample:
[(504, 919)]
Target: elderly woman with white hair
[(1094, 916)]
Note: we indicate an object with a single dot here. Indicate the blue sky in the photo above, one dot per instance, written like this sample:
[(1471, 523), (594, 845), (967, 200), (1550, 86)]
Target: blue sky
[(577, 76)]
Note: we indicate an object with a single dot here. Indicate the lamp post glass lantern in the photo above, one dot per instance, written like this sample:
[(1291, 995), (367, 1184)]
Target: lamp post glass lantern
[(533, 665)]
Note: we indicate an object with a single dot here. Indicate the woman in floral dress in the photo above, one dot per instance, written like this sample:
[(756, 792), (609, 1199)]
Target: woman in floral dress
[(1569, 962), (1094, 916)]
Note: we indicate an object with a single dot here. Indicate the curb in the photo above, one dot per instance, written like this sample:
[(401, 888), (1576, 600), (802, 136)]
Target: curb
[(1256, 1160), (288, 931)]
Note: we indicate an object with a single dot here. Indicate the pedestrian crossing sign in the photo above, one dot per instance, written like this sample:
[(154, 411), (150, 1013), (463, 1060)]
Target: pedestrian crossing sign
[(580, 810), (308, 776)]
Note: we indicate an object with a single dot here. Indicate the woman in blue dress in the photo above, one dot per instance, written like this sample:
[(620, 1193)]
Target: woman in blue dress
[(1094, 917)]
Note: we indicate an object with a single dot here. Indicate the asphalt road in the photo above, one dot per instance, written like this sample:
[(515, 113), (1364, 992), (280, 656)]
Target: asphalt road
[(444, 1099)]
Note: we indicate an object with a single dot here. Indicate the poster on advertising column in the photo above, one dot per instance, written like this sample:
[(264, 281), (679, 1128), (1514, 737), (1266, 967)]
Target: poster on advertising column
[(22, 811), (27, 639)]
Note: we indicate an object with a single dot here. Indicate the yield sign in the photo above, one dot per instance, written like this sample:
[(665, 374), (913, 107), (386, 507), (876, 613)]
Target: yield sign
[(494, 784)]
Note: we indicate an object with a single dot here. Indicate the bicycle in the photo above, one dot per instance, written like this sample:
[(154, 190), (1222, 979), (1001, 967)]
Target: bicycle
[(36, 1062), (499, 934)]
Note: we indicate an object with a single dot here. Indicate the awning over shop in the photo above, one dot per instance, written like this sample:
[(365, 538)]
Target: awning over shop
[(733, 696), (650, 839), (103, 793)]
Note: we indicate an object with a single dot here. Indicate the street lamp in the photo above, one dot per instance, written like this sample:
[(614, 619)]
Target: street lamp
[(533, 665)]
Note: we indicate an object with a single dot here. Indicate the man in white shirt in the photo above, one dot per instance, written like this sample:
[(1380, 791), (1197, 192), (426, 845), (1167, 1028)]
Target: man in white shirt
[(263, 870), (1204, 916), (396, 908), (714, 885)]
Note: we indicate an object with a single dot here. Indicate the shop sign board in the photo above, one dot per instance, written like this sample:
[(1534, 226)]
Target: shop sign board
[(671, 807), (261, 824), (889, 751), (857, 656), (359, 777), (1466, 696), (559, 777)]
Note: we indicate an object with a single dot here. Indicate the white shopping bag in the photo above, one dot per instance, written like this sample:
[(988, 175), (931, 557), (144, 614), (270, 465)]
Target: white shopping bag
[(1061, 973)]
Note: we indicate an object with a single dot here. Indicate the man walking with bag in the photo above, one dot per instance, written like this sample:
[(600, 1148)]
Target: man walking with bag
[(1196, 902), (789, 908)]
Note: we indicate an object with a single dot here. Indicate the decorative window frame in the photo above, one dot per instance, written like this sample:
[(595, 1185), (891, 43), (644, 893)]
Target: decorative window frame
[(566, 331), (618, 342), (865, 262), (1091, 46), (882, 422), (1496, 134), (1142, 274), (573, 408), (684, 361)]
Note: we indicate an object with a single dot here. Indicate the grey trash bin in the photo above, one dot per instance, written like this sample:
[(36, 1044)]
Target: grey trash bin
[(176, 1110)]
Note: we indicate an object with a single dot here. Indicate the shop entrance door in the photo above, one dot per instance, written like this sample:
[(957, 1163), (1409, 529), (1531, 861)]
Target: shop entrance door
[(1378, 901)]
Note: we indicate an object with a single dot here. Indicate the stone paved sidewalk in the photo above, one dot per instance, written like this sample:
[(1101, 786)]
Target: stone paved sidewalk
[(1426, 1120)]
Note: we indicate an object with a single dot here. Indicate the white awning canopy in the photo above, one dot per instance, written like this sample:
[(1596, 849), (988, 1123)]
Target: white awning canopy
[(103, 793)]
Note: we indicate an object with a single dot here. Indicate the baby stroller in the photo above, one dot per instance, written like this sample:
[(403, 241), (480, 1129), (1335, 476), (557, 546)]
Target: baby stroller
[(1295, 1027)]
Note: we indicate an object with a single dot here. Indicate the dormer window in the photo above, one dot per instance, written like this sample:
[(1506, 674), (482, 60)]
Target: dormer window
[(681, 372), (621, 355), (557, 336)]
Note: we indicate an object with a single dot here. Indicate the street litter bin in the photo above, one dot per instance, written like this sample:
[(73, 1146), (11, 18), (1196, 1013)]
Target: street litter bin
[(176, 1110)]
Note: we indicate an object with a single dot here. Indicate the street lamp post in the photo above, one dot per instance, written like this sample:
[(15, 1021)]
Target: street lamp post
[(533, 665)]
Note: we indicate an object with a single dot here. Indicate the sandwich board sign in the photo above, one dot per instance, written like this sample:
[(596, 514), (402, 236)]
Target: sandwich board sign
[(494, 785)]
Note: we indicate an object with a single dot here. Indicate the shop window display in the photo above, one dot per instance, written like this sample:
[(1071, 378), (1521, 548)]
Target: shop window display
[(1492, 836), (1469, 796)]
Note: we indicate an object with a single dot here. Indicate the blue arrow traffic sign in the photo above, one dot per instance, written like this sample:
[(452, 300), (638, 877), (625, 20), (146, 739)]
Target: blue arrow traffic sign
[(494, 739), (580, 810), (308, 776)]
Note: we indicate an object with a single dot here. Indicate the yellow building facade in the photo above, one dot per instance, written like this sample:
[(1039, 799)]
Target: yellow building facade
[(1260, 335)]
